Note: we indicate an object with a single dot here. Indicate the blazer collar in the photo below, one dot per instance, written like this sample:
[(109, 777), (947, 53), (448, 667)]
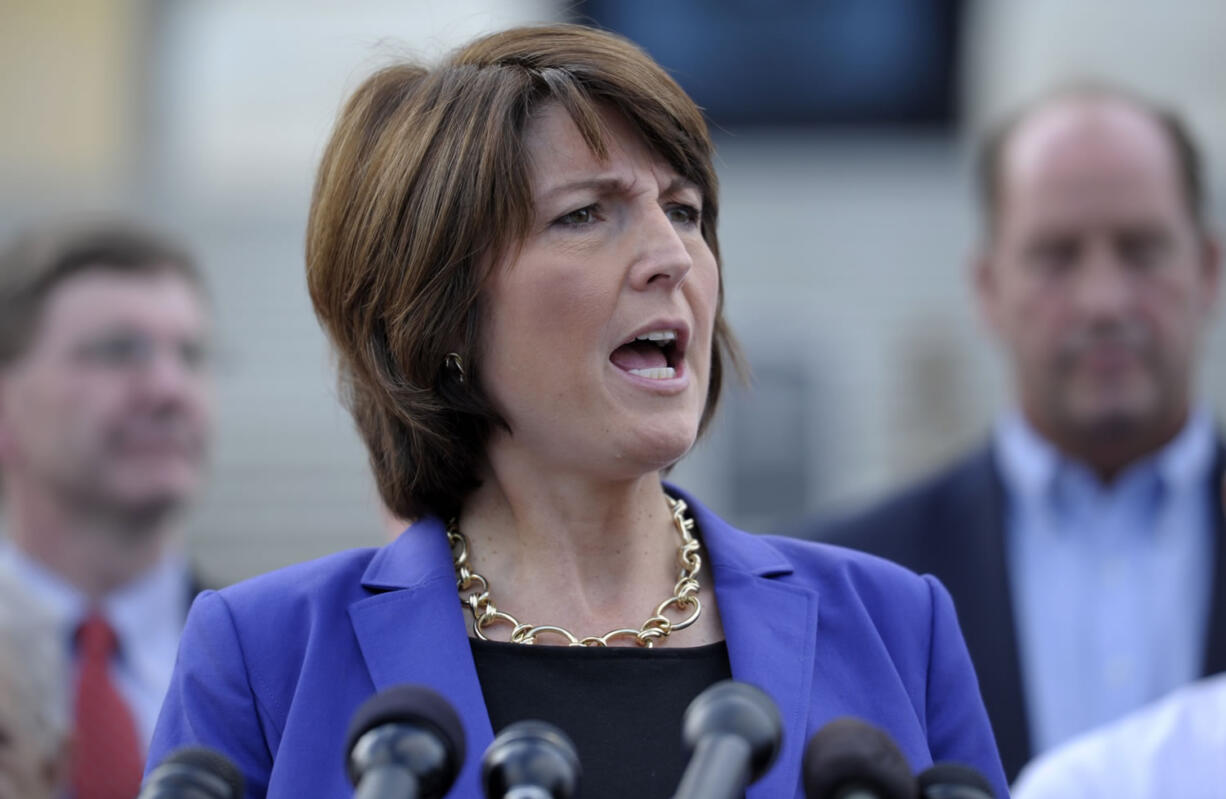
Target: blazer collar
[(418, 555), (771, 626), (413, 629), (726, 547)]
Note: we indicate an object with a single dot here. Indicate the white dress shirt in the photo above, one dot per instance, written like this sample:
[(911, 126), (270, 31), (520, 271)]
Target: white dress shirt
[(147, 615), (1175, 747)]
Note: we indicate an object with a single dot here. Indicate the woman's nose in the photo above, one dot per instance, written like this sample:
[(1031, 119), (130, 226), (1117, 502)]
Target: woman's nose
[(661, 256)]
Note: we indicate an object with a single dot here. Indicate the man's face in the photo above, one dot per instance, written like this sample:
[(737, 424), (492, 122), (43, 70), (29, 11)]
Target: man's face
[(1097, 280), (110, 408)]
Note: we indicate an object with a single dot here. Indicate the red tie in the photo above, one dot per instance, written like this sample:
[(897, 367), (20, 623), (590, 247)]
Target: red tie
[(107, 752)]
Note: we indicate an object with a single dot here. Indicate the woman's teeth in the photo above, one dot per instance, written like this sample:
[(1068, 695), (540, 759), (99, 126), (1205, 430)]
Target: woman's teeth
[(658, 373)]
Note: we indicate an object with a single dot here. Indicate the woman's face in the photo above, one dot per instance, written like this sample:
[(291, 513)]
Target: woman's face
[(597, 344)]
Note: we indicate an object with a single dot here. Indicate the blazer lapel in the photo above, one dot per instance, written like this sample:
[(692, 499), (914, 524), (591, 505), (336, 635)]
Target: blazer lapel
[(1215, 648), (771, 630), (974, 538), (412, 630)]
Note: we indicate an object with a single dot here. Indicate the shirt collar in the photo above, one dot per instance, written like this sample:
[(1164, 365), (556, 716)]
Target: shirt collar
[(155, 600), (64, 602), (1184, 462), (1028, 463), (1031, 466)]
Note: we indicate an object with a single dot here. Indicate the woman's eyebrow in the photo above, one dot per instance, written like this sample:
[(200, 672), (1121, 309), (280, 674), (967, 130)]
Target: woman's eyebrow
[(602, 185), (679, 184), (611, 184)]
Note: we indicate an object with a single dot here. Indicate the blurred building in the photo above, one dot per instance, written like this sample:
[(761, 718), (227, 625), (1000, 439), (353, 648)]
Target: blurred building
[(844, 238)]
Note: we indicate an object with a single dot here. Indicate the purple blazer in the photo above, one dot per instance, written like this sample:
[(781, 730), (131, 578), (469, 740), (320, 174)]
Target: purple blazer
[(270, 670)]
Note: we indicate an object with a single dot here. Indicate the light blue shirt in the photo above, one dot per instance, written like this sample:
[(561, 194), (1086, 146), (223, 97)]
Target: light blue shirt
[(1110, 583), (146, 614)]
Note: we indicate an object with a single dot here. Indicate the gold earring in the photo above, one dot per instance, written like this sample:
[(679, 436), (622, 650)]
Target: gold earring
[(455, 363)]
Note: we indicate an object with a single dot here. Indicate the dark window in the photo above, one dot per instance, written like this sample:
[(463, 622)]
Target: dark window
[(757, 63)]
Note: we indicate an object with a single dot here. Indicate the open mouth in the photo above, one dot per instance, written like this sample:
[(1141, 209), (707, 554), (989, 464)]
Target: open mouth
[(655, 355)]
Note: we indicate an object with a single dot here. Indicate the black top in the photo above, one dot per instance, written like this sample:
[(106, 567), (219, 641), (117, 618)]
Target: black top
[(621, 706)]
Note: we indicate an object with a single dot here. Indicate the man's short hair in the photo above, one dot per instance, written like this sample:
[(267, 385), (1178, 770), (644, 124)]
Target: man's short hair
[(40, 259), (1188, 159)]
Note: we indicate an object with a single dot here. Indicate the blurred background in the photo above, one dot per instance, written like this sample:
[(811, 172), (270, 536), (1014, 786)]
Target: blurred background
[(845, 131)]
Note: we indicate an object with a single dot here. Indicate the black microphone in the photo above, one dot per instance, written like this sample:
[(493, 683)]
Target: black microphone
[(194, 772), (954, 781), (734, 732), (852, 759), (405, 742), (531, 760)]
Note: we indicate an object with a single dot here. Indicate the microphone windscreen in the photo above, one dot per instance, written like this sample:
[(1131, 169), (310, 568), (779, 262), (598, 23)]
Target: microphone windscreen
[(849, 752), (203, 759), (730, 707), (531, 758), (408, 704), (954, 781)]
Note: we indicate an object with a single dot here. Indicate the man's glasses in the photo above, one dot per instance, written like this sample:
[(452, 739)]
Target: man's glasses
[(131, 349)]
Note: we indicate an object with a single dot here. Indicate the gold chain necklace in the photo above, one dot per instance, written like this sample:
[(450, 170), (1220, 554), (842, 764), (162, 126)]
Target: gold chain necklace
[(658, 626)]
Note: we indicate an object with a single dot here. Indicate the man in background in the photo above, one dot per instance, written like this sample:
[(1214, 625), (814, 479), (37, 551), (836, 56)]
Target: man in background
[(1172, 747), (105, 419), (1084, 545)]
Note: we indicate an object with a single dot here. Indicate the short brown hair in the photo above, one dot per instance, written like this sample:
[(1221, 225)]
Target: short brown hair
[(40, 259), (423, 183), (1188, 158)]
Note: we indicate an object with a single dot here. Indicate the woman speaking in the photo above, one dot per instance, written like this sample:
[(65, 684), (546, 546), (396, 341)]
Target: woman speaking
[(514, 254)]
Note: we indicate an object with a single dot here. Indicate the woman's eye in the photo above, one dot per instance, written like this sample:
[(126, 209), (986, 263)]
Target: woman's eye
[(580, 216), (684, 214)]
